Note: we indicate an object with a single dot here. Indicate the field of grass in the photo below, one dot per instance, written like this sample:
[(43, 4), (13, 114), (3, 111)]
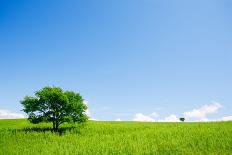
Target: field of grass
[(18, 137)]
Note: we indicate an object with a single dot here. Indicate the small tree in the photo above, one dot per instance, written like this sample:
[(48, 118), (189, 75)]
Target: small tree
[(182, 119), (52, 104)]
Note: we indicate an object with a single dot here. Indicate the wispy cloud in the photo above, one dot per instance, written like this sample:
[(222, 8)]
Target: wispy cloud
[(154, 115), (201, 113), (152, 118), (227, 118), (170, 118), (143, 118), (6, 114)]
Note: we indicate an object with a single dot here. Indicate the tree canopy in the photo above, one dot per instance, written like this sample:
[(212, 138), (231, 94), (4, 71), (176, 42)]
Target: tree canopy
[(52, 104), (182, 119)]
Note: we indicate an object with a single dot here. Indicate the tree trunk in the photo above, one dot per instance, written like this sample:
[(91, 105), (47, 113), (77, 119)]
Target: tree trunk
[(55, 125)]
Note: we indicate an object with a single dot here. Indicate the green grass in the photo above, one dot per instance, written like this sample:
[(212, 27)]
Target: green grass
[(18, 137)]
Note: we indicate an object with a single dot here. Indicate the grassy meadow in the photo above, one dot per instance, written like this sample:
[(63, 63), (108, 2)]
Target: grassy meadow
[(19, 137)]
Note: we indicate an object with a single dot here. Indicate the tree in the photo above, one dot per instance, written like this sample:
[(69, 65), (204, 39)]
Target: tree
[(182, 119), (52, 104)]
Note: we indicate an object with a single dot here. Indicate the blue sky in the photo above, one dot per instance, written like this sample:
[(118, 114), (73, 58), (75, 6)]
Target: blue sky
[(128, 58)]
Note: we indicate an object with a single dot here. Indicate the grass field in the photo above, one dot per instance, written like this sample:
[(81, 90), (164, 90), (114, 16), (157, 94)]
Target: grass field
[(18, 137)]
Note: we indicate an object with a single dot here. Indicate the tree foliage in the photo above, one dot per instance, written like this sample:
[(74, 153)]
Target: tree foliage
[(52, 104), (182, 119)]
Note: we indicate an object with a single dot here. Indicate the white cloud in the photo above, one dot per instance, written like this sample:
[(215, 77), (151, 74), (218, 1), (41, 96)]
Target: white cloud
[(201, 113), (154, 115), (151, 118), (194, 115), (171, 118), (143, 118), (227, 118), (6, 114), (118, 119)]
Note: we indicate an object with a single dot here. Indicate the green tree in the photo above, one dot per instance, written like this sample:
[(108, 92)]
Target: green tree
[(182, 119), (52, 104)]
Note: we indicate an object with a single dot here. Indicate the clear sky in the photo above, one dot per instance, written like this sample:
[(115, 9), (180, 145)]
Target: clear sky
[(130, 59)]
